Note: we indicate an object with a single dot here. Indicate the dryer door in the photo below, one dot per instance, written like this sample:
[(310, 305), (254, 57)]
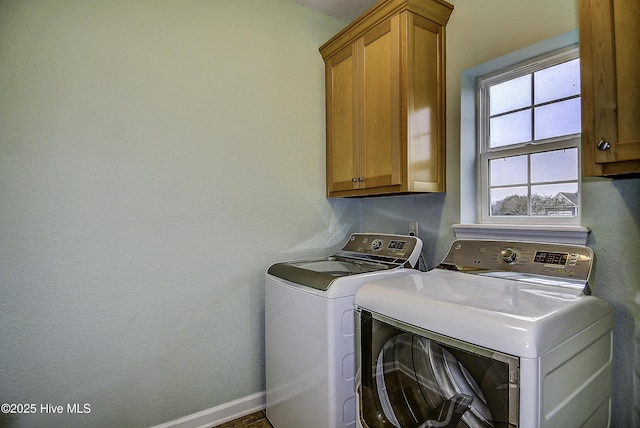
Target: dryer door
[(412, 378)]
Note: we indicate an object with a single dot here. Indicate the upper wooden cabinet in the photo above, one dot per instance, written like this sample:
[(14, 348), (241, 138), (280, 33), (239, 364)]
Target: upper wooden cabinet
[(385, 95), (610, 62)]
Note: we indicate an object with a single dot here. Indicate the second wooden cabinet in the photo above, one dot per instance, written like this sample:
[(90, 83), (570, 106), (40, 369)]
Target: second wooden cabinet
[(610, 62), (385, 95)]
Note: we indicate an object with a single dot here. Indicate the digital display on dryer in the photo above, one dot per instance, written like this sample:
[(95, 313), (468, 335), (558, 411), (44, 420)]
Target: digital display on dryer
[(551, 258), (397, 245)]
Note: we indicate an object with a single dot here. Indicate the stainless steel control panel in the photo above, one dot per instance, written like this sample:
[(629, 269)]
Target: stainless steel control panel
[(381, 245), (570, 262)]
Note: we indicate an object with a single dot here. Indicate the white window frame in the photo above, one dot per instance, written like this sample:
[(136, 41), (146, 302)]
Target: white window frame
[(469, 226), (486, 153)]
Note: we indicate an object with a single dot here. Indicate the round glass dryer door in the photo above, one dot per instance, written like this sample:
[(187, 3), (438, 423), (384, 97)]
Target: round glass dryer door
[(419, 380), (413, 381)]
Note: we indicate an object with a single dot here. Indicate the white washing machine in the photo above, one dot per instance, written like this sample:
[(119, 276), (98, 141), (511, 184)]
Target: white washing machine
[(501, 334), (310, 328)]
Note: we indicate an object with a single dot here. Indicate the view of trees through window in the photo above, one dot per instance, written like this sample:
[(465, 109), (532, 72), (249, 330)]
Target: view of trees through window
[(563, 204)]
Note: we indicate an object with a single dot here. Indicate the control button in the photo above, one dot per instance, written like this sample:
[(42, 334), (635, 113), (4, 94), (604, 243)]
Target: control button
[(508, 255), (377, 244)]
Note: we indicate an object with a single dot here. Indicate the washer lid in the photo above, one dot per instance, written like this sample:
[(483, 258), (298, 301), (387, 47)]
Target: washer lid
[(321, 273), (509, 316), (362, 253)]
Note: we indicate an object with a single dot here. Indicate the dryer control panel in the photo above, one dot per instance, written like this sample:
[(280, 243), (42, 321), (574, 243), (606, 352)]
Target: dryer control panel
[(528, 260)]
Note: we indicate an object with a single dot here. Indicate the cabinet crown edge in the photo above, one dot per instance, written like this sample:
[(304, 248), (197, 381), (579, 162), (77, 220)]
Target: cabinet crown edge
[(438, 11)]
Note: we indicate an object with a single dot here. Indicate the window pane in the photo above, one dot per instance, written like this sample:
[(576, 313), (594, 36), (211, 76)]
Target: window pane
[(505, 171), (555, 200), (509, 201), (510, 129), (556, 165), (510, 95), (560, 81), (528, 140), (557, 119)]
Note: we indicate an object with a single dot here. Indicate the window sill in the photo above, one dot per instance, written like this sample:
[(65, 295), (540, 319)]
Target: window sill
[(575, 235)]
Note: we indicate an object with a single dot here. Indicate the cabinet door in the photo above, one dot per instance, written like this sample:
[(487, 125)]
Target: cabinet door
[(425, 86), (610, 60), (379, 101), (342, 162)]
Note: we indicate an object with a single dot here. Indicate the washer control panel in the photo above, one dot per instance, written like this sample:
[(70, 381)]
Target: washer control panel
[(556, 260), (397, 249)]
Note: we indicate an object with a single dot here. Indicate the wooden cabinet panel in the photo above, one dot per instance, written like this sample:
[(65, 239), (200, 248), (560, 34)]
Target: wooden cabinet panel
[(426, 108), (379, 106), (341, 136), (610, 60), (385, 73)]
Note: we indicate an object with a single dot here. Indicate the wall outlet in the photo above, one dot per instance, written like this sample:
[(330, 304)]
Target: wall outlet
[(413, 228)]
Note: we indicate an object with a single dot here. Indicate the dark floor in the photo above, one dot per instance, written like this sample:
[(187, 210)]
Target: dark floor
[(254, 420)]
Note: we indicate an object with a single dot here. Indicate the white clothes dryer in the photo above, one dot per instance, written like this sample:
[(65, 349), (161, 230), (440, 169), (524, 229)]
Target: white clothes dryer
[(310, 328), (501, 334)]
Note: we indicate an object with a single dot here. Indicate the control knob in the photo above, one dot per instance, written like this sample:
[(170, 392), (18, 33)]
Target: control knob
[(508, 255), (377, 244)]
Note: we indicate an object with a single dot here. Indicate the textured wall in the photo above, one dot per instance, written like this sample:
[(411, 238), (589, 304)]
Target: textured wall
[(155, 158)]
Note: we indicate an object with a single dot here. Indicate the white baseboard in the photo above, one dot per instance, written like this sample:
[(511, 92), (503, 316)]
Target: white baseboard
[(220, 414)]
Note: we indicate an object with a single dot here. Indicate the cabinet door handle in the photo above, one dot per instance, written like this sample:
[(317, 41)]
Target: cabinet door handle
[(604, 145), (360, 179), (354, 180)]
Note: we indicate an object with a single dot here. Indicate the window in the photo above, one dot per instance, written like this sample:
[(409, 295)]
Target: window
[(529, 135)]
